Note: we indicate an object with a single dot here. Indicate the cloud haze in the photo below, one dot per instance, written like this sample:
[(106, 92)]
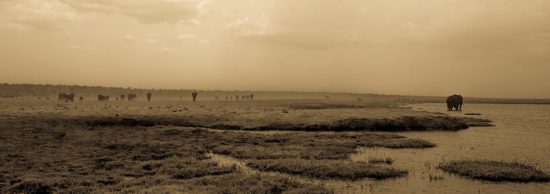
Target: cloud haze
[(487, 48)]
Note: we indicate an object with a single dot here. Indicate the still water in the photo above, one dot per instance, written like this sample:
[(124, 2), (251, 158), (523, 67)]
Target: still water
[(522, 133)]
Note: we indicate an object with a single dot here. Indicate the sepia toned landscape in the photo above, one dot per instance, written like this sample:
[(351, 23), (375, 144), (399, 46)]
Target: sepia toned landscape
[(274, 97), (276, 142)]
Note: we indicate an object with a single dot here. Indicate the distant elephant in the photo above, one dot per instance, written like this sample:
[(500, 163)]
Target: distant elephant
[(66, 97), (102, 98), (61, 96), (122, 97), (149, 96), (194, 94), (455, 101), (131, 97)]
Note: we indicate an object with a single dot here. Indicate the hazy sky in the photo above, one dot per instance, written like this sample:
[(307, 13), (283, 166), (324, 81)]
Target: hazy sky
[(485, 48)]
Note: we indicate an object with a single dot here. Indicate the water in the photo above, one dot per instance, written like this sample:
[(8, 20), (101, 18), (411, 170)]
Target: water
[(522, 133)]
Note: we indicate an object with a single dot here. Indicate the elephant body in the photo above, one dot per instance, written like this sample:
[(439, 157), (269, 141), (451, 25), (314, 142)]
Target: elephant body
[(102, 98), (149, 96), (194, 94), (455, 101), (131, 97), (66, 97)]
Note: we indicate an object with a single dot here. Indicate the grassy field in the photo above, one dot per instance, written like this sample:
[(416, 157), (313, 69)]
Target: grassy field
[(166, 145)]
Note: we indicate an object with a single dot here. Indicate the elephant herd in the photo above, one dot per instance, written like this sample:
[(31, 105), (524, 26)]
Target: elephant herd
[(130, 97), (105, 98), (244, 97), (101, 98)]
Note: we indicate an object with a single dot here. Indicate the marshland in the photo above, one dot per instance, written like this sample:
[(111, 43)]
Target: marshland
[(274, 96), (303, 143)]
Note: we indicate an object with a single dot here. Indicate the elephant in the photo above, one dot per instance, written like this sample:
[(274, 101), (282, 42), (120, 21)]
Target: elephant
[(455, 101), (194, 94), (122, 97), (149, 96), (102, 98), (66, 97), (131, 97)]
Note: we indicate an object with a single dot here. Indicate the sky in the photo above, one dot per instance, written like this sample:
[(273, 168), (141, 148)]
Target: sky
[(481, 48)]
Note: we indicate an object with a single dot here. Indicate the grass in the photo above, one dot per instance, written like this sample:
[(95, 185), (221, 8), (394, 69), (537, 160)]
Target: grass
[(203, 169), (254, 183), (327, 169), (305, 145), (286, 115), (159, 147), (67, 155), (380, 160), (30, 187), (495, 171), (401, 123)]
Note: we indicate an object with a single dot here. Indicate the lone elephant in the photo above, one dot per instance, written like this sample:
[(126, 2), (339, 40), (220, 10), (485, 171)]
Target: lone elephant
[(149, 96), (194, 95), (66, 97), (455, 101)]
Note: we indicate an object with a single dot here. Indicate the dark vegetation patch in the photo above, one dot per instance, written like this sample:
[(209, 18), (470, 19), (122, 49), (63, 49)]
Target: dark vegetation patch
[(203, 169), (478, 122), (108, 181), (116, 159), (244, 122), (495, 171), (304, 145), (30, 188), (380, 161), (327, 169), (472, 114), (405, 123), (125, 122), (405, 143), (255, 183)]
